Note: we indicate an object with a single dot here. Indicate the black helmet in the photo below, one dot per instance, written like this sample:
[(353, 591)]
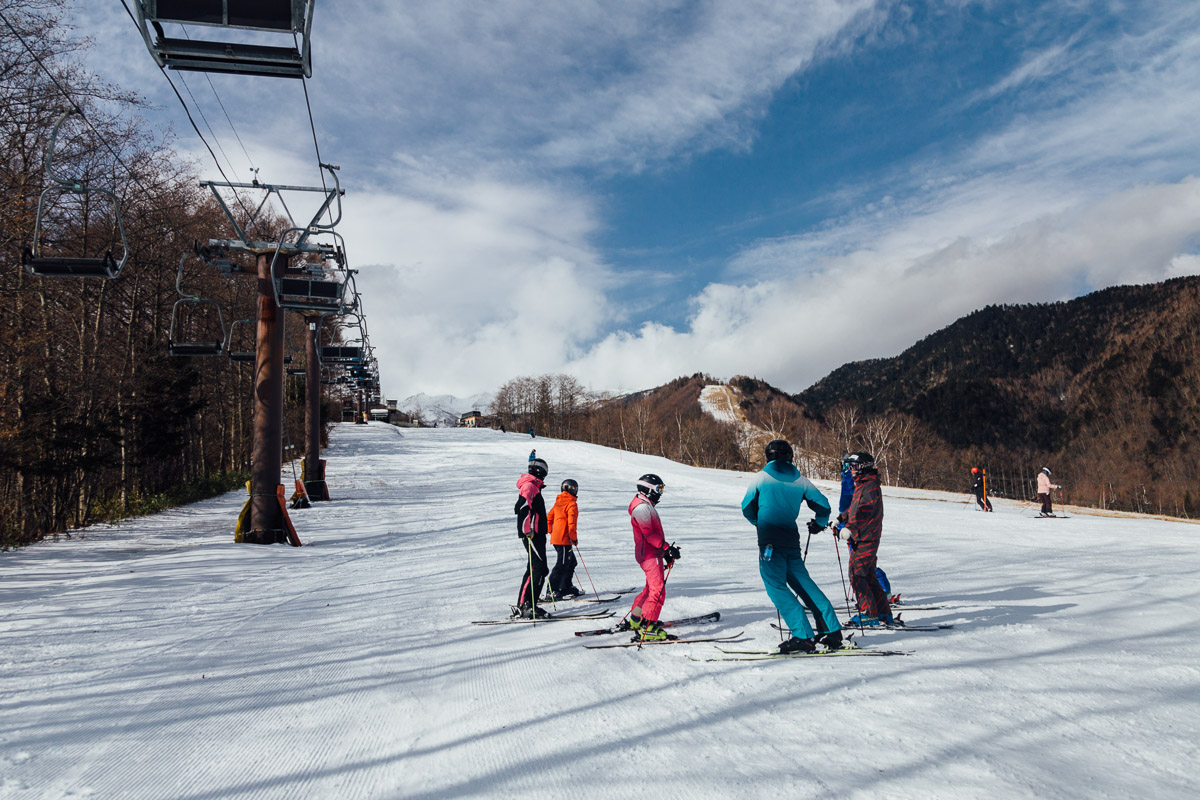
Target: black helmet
[(538, 469), (1047, 471), (860, 460), (779, 450), (652, 486), (570, 487)]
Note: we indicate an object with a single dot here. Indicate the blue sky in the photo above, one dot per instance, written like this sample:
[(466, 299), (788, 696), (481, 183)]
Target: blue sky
[(632, 191)]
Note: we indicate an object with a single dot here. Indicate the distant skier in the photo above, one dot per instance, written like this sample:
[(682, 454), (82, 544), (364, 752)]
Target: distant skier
[(563, 521), (651, 551), (772, 504), (531, 530), (532, 455), (863, 529), (1043, 491), (979, 487)]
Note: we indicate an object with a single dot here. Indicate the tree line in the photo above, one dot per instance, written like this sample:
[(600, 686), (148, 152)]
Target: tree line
[(668, 421)]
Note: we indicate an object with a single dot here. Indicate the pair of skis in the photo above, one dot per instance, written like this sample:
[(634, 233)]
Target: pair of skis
[(771, 655), (558, 616)]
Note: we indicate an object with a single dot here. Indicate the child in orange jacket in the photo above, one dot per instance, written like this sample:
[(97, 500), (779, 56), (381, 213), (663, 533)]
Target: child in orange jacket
[(563, 520)]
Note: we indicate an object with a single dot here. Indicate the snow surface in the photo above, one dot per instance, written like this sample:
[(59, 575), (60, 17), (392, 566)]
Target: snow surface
[(160, 660), (444, 408)]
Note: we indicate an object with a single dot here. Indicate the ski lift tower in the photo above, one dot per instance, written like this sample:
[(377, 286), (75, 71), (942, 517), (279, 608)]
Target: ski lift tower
[(315, 287)]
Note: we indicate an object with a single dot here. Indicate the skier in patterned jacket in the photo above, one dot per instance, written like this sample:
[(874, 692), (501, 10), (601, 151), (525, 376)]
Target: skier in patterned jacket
[(531, 530), (772, 504), (650, 549), (864, 527)]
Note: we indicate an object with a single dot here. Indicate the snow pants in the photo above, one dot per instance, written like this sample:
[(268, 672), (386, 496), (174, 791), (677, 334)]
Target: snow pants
[(784, 574), (535, 560), (562, 577), (984, 504), (868, 593), (1045, 501), (648, 604)]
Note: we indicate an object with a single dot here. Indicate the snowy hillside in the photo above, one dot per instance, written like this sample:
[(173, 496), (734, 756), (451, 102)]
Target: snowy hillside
[(723, 403), (160, 660), (444, 408)]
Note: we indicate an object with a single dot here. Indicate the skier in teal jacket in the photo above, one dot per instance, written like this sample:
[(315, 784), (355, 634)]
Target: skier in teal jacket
[(772, 504)]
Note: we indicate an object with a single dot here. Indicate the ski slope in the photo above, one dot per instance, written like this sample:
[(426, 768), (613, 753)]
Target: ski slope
[(158, 659)]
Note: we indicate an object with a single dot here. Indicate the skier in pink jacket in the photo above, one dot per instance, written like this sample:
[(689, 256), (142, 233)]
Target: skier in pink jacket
[(1043, 491), (651, 550)]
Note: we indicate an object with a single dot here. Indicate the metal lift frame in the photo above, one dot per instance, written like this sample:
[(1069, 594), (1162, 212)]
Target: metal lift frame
[(241, 58)]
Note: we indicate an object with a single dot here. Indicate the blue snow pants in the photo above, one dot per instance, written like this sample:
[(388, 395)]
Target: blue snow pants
[(785, 568)]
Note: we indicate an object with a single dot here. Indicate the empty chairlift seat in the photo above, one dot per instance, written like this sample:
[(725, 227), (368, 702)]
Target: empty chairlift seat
[(309, 295), (289, 20), (70, 202)]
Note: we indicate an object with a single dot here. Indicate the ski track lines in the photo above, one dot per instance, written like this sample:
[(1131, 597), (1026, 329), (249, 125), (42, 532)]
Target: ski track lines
[(159, 660)]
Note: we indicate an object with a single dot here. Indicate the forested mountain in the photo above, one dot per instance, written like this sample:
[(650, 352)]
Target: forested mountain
[(1103, 389), (1104, 386)]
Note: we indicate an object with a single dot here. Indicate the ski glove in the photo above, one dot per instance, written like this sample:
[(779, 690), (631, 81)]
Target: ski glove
[(814, 528), (671, 554), (845, 533)]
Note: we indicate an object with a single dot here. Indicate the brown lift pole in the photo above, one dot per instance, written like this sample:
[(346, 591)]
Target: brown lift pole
[(314, 473), (266, 515)]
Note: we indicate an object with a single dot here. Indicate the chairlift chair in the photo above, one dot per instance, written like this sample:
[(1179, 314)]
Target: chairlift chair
[(39, 263), (239, 356), (189, 315), (277, 17)]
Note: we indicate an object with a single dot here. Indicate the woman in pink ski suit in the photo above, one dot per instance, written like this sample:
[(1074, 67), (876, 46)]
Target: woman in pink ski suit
[(1043, 491), (649, 548)]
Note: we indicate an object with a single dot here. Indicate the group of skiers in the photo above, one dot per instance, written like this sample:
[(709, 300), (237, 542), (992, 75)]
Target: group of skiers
[(772, 504)]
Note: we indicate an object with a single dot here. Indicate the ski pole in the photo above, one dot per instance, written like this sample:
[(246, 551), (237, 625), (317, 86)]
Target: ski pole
[(587, 572), (845, 591), (532, 590)]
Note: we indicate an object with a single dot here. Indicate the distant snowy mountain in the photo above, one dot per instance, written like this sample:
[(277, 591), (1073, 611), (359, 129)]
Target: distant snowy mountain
[(444, 408)]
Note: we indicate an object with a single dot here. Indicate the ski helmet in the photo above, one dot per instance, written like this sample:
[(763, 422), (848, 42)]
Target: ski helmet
[(779, 450), (845, 463), (1046, 470), (538, 469), (652, 486), (570, 487), (974, 470), (861, 460)]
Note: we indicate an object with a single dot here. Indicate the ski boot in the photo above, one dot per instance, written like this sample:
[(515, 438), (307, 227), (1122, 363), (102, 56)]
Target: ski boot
[(797, 645), (532, 612), (864, 621), (832, 640), (652, 630)]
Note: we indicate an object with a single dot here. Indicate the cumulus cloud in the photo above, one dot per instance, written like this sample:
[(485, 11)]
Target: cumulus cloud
[(469, 282), (878, 299)]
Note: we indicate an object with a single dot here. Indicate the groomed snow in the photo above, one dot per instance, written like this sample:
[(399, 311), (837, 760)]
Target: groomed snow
[(160, 660)]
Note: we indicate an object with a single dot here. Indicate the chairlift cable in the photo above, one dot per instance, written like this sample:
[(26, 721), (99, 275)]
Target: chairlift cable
[(188, 111), (208, 125), (316, 145), (228, 119), (67, 96)]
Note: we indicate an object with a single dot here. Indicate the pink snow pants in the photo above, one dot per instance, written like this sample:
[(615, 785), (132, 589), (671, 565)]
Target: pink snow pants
[(651, 599)]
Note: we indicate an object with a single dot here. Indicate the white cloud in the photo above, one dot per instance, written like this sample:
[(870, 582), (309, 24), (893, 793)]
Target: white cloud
[(468, 283), (891, 291)]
